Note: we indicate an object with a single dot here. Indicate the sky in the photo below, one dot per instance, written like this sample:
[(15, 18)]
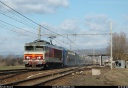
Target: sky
[(61, 17)]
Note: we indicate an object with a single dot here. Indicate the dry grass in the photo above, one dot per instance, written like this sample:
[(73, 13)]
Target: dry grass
[(11, 67), (108, 77)]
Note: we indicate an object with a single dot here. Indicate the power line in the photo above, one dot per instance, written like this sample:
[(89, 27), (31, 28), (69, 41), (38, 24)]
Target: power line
[(75, 34), (26, 17), (14, 31), (5, 26), (7, 15), (79, 35), (58, 42), (32, 20), (17, 27)]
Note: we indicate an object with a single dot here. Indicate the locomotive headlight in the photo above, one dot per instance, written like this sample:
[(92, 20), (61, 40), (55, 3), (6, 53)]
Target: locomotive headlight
[(27, 57), (38, 57)]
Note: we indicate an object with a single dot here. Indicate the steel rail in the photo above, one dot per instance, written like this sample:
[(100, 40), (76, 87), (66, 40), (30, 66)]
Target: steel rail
[(12, 70), (57, 76), (36, 78)]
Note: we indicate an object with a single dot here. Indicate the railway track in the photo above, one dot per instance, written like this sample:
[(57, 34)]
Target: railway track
[(5, 74), (11, 70), (74, 71), (40, 80), (10, 75)]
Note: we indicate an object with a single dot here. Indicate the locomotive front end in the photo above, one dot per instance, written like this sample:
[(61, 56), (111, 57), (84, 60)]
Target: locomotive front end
[(34, 56), (34, 60)]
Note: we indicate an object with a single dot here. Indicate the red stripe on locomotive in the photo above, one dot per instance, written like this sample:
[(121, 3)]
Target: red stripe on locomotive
[(33, 56)]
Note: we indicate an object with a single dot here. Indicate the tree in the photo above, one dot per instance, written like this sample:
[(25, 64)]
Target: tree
[(10, 60), (20, 60), (120, 46)]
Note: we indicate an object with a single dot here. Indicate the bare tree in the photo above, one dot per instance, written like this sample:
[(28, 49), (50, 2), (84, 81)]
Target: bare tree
[(10, 60), (120, 46)]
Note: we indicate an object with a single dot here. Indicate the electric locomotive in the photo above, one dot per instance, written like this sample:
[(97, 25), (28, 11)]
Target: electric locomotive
[(41, 54)]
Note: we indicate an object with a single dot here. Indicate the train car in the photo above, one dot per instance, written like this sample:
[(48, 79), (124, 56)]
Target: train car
[(64, 57), (71, 58), (40, 54)]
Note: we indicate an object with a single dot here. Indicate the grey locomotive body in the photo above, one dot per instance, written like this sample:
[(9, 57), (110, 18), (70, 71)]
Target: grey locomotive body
[(42, 54)]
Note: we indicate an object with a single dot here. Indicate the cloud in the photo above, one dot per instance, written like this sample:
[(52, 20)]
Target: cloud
[(120, 26), (67, 26), (108, 2), (125, 18), (92, 44), (37, 6), (14, 44), (71, 26), (97, 22)]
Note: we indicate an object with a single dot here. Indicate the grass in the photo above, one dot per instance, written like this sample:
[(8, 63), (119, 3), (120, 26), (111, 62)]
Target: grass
[(11, 67)]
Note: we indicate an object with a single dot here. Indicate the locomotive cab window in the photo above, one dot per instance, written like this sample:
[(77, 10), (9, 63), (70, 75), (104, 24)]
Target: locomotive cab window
[(29, 48), (40, 48)]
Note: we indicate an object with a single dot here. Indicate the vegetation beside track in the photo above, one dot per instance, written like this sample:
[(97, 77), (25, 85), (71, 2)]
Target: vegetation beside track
[(11, 67)]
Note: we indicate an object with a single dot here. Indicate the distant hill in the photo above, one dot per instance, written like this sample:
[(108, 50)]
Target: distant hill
[(83, 51), (6, 53)]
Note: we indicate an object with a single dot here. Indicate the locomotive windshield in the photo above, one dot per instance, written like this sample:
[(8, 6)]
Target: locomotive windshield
[(34, 48), (39, 48), (29, 48)]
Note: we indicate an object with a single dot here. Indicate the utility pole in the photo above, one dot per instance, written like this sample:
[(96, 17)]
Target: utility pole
[(93, 60), (51, 37), (39, 33), (70, 46), (111, 57)]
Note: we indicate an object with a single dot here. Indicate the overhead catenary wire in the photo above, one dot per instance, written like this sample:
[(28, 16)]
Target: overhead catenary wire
[(26, 17), (16, 31), (31, 20), (64, 45), (58, 42), (17, 17), (18, 27), (67, 35), (19, 32), (42, 25), (7, 15)]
